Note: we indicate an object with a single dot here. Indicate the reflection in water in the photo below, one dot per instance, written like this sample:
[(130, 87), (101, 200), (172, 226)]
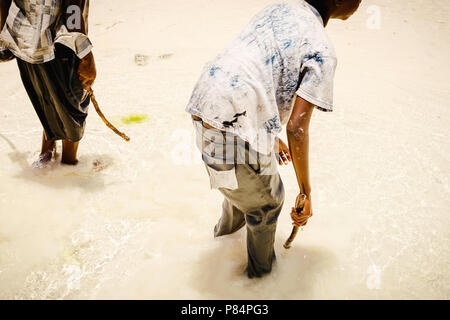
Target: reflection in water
[(101, 250), (296, 273)]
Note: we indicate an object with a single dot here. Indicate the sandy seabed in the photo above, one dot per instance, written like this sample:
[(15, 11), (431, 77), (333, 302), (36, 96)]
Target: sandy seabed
[(134, 221)]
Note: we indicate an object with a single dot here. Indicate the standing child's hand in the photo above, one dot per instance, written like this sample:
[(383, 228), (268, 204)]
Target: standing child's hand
[(87, 71), (282, 152), (6, 55)]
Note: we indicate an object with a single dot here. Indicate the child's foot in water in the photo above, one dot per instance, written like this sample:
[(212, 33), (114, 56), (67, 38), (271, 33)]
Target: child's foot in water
[(72, 162), (48, 151), (44, 159)]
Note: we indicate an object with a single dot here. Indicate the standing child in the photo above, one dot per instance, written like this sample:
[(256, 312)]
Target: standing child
[(280, 67), (49, 40)]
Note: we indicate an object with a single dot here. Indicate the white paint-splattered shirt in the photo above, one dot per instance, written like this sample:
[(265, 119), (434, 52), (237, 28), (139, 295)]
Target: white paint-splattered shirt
[(34, 26), (249, 88)]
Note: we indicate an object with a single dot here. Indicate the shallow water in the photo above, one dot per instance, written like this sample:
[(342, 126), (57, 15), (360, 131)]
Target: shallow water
[(135, 220)]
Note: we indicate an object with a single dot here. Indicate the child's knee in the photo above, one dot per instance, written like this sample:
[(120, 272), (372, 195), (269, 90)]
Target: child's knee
[(273, 212), (265, 216)]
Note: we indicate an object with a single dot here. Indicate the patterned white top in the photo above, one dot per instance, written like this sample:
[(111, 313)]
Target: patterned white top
[(249, 88), (34, 26)]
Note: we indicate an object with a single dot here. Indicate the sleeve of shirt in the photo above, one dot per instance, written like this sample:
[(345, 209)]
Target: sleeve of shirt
[(76, 41), (317, 80)]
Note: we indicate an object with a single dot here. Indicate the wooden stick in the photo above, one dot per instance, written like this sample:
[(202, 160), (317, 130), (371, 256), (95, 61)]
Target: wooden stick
[(102, 116)]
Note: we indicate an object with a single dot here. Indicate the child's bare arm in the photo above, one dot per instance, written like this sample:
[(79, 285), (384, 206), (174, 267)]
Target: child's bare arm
[(298, 138)]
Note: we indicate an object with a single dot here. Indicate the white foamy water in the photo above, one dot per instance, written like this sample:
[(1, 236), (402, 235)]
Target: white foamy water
[(131, 221)]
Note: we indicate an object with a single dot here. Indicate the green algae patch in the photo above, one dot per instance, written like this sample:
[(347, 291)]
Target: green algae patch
[(134, 118), (70, 255)]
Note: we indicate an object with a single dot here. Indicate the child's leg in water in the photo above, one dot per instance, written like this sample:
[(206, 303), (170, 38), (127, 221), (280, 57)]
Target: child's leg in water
[(69, 154)]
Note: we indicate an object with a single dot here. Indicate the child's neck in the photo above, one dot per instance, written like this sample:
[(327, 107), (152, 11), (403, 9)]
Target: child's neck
[(323, 7)]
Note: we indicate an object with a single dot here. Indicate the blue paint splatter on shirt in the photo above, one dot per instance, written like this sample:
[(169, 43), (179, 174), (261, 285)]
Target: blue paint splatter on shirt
[(212, 71), (235, 81), (317, 56)]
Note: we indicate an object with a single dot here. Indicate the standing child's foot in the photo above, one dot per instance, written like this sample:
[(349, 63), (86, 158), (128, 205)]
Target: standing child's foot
[(44, 159), (72, 162), (48, 151)]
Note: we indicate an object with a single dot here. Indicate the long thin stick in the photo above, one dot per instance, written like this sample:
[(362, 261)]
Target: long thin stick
[(102, 116), (299, 204)]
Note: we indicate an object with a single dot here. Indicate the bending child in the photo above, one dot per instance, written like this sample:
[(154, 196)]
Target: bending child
[(279, 68)]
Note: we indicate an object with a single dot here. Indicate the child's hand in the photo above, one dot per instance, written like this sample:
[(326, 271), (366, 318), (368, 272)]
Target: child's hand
[(6, 55), (282, 152), (87, 71), (301, 219)]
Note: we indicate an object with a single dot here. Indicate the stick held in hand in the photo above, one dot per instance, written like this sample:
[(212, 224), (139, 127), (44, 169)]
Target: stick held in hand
[(102, 116), (299, 204)]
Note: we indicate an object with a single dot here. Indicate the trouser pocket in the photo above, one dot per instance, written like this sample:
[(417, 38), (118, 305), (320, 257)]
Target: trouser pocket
[(218, 155), (219, 159), (222, 178)]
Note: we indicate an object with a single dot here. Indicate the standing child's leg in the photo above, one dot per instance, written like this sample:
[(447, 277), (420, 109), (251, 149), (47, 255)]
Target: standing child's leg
[(48, 146), (47, 152), (69, 154)]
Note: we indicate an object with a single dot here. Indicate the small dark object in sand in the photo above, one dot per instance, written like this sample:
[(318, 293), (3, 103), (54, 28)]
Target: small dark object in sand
[(141, 59), (165, 56)]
